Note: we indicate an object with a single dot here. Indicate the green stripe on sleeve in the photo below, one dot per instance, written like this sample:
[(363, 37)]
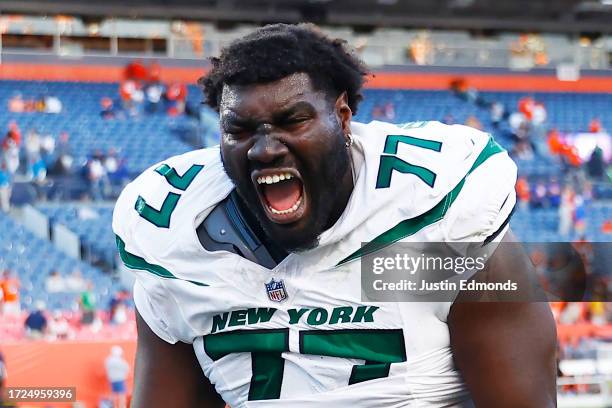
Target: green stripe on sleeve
[(411, 226), (135, 262)]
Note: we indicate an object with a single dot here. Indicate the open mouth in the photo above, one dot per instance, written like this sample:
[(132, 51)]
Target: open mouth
[(282, 194)]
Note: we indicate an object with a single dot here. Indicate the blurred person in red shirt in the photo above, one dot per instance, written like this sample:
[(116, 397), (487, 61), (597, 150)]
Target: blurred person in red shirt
[(176, 95), (10, 148), (136, 70), (526, 105), (10, 290), (132, 96), (595, 125), (523, 192), (554, 141)]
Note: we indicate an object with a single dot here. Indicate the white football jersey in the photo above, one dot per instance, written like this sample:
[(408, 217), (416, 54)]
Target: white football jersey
[(299, 335)]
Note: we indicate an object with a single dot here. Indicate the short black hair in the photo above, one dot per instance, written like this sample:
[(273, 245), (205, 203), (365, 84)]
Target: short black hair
[(278, 50)]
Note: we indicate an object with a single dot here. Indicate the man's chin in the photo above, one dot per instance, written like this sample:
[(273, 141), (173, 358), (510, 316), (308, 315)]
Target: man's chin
[(291, 237)]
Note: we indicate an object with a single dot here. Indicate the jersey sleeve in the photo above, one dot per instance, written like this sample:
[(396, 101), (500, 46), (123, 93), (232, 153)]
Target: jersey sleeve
[(154, 295), (480, 214), (482, 209), (159, 309)]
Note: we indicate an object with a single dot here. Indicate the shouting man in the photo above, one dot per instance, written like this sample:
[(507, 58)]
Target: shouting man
[(247, 256)]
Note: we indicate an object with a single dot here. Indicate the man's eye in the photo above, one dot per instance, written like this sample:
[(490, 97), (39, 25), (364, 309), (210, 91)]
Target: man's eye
[(236, 131), (296, 120)]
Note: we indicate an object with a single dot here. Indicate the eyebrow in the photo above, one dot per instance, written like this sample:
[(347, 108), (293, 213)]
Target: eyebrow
[(295, 108), (234, 118)]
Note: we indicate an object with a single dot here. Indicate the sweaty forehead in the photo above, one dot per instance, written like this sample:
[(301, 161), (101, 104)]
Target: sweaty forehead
[(255, 99)]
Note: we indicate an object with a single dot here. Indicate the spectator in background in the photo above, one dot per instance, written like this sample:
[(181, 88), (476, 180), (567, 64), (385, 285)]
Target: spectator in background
[(377, 112), (538, 114), (566, 211), (64, 161), (153, 92), (47, 149), (55, 283), (75, 282), (522, 191), (472, 121), (36, 322), (538, 198), (10, 147), (10, 292), (131, 97), (595, 125), (32, 146), (97, 176), (59, 328), (88, 305), (16, 104), (136, 71), (554, 141), (389, 111), (108, 109), (117, 371), (497, 111), (579, 217), (116, 170), (176, 96), (118, 307), (522, 150), (596, 166), (526, 106), (36, 168), (554, 193), (5, 186), (52, 104)]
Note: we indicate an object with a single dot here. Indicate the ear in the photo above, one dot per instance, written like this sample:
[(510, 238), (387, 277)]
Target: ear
[(344, 112)]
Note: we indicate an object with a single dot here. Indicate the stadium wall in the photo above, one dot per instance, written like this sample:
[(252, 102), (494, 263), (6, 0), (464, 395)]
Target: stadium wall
[(65, 364), (384, 78)]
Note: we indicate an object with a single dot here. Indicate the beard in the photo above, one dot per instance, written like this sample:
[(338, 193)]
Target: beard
[(321, 184)]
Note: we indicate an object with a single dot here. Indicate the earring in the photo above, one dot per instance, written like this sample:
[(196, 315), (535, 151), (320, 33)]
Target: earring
[(349, 140)]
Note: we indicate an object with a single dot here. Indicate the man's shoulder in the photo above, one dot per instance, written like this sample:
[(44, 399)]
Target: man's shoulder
[(418, 163), (179, 171), (424, 173), (157, 207)]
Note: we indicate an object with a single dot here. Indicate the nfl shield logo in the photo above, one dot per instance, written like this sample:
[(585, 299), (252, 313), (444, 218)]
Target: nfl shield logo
[(276, 290)]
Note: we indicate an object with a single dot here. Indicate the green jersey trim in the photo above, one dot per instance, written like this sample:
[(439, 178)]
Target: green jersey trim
[(135, 262), (411, 226)]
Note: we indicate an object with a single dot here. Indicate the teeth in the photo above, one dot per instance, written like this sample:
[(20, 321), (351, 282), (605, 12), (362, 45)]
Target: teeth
[(289, 210), (274, 179)]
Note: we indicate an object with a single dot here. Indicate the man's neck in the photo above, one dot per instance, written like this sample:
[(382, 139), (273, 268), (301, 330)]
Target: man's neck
[(276, 252)]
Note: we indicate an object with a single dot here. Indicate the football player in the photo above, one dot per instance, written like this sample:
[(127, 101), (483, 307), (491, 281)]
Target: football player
[(247, 256)]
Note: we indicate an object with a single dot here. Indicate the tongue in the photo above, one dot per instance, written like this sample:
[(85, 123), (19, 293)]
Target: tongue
[(283, 195)]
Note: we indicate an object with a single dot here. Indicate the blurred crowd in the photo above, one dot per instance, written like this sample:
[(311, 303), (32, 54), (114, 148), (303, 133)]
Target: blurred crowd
[(143, 92), (39, 159), (41, 323)]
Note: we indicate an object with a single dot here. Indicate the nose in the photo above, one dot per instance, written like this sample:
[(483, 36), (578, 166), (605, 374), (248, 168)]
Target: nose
[(266, 149)]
